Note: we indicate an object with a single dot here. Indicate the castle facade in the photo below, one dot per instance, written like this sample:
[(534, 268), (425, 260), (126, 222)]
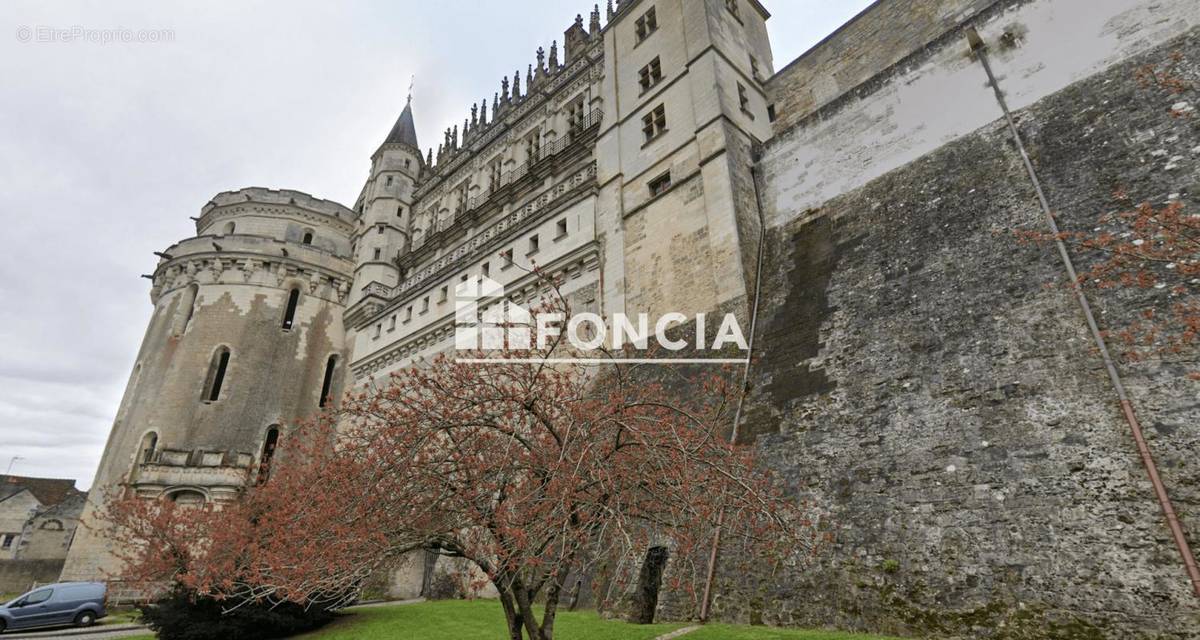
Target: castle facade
[(913, 375)]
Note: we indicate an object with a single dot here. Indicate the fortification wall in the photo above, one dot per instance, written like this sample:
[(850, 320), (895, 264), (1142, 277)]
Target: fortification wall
[(923, 378)]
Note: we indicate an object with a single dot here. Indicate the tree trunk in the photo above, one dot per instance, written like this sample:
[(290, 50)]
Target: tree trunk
[(511, 615), (551, 608), (521, 595)]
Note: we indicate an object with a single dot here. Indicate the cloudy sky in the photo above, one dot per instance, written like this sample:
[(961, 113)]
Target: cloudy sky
[(106, 149)]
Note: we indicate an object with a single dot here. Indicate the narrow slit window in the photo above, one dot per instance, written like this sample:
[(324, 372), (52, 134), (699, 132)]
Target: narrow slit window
[(268, 452), (289, 316), (216, 376), (327, 383)]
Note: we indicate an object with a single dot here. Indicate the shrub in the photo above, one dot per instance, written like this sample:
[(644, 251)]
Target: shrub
[(182, 616)]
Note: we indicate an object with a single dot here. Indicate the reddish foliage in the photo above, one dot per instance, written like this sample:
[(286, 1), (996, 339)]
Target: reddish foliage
[(1154, 250), (528, 471)]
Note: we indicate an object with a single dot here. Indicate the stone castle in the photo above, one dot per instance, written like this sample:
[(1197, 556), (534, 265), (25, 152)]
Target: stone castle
[(913, 374)]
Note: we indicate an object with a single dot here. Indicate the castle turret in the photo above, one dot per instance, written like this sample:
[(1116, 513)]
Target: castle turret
[(246, 337), (385, 225)]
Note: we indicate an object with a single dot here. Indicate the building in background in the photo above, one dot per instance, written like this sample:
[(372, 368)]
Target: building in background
[(38, 517)]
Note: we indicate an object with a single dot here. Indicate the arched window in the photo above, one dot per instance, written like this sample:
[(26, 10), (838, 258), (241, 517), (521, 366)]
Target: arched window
[(229, 228), (52, 525), (289, 316), (327, 384), (147, 448), (308, 237), (268, 452), (216, 374)]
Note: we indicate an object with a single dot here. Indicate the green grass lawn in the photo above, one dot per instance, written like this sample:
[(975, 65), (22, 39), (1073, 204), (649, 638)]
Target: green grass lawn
[(732, 632), (468, 620), (484, 620)]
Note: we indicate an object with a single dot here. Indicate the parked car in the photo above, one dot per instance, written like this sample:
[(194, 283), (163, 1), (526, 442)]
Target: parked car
[(77, 603)]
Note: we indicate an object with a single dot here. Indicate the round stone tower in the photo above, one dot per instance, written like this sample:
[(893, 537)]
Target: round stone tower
[(246, 336)]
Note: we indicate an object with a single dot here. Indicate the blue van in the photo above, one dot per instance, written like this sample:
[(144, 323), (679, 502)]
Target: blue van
[(77, 603)]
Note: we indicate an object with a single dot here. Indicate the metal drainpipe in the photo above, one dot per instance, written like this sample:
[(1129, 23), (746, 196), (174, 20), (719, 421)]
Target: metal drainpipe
[(1160, 491), (714, 554)]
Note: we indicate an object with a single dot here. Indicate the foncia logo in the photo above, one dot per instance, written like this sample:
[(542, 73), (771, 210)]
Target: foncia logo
[(505, 327)]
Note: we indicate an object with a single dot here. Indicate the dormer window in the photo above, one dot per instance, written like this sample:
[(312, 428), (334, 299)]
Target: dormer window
[(646, 25)]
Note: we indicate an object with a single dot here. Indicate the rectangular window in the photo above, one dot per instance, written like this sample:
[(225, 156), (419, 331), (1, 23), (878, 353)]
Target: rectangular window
[(576, 117), (771, 112), (487, 269), (425, 304), (392, 324), (495, 174), (400, 211), (508, 258), (646, 25), (562, 227), (732, 5), (743, 99), (378, 330), (650, 75), (533, 244), (533, 146), (8, 540), (389, 181), (379, 229), (408, 314), (754, 68), (378, 253), (444, 294), (660, 184), (654, 124)]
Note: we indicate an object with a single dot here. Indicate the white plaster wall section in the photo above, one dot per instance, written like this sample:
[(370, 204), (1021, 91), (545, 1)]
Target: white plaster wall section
[(947, 96)]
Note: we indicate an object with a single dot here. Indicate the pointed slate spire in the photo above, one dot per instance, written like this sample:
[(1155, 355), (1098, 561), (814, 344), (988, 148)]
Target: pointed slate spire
[(404, 131)]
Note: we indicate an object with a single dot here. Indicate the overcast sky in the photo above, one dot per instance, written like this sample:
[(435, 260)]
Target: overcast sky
[(106, 149)]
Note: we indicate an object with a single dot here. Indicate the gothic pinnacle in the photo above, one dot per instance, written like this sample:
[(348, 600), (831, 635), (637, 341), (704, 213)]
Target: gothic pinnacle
[(594, 27), (610, 11), (528, 79), (554, 55), (541, 59), (483, 112), (516, 85)]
